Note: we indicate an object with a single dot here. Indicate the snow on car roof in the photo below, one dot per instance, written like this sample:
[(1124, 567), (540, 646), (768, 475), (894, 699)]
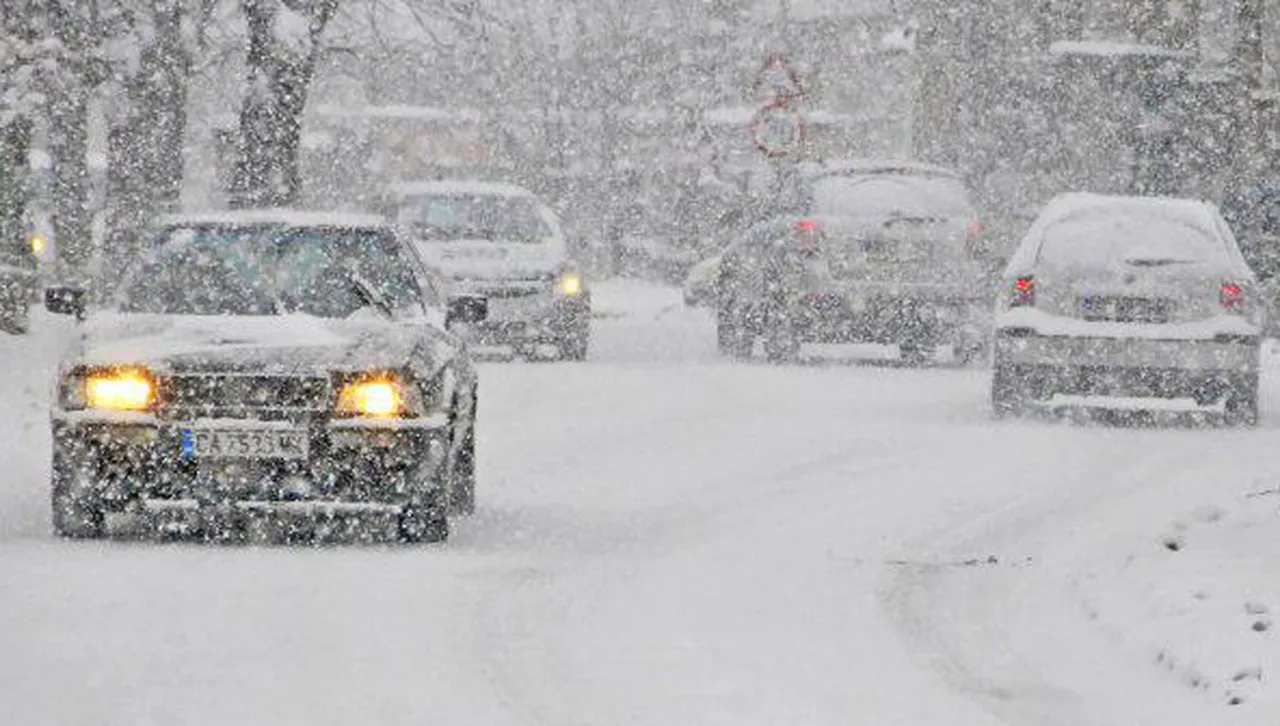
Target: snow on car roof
[(455, 187), (881, 166), (284, 217), (1076, 204), (1113, 49)]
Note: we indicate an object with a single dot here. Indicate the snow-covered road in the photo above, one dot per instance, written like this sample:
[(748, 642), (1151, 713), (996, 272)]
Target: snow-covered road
[(664, 538)]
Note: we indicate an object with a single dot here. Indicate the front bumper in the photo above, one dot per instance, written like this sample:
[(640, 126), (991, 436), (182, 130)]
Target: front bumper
[(141, 465), (523, 323)]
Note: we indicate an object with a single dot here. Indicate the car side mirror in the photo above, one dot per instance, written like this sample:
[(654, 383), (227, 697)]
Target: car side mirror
[(467, 309), (66, 300)]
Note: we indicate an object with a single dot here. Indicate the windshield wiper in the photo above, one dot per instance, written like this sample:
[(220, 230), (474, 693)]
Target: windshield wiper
[(368, 294)]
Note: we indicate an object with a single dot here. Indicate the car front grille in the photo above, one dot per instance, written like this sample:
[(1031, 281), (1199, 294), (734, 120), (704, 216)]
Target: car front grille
[(1113, 309), (243, 395)]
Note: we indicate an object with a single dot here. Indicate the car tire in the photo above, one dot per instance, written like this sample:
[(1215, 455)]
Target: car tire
[(73, 516), (1009, 393), (425, 520), (574, 347), (781, 344), (914, 353), (17, 321), (1241, 405), (733, 337), (463, 491)]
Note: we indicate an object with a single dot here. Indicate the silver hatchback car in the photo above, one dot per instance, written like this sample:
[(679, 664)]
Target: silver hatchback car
[(1128, 298)]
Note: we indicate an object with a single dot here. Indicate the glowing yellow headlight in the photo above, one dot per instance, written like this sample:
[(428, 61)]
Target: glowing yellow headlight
[(571, 285), (372, 398), (119, 391)]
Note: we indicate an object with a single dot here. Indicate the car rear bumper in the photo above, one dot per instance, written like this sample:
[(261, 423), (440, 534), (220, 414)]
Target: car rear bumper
[(1227, 354), (836, 318)]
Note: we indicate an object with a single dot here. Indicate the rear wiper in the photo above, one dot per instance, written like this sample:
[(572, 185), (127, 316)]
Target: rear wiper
[(1157, 261)]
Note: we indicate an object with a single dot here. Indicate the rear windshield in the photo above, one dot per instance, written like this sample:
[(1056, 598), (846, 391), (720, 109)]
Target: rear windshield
[(890, 195), (490, 217), (1134, 239)]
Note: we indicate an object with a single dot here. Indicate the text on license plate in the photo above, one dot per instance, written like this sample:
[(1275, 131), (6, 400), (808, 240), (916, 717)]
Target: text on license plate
[(214, 444)]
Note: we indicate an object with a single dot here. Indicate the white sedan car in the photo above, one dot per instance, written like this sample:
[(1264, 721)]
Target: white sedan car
[(1133, 298)]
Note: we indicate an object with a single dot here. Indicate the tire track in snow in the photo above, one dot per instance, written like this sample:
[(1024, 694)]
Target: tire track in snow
[(945, 613)]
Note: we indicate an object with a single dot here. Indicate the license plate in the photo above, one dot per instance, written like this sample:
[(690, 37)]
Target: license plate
[(214, 444)]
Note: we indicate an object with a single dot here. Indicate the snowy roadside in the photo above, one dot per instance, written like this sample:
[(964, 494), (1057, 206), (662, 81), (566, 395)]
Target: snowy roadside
[(1201, 597), (621, 297)]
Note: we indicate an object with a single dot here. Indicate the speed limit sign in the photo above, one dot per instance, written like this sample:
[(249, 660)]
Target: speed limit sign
[(778, 130)]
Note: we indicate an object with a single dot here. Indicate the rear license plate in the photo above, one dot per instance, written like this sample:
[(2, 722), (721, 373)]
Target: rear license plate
[(1100, 308), (247, 444)]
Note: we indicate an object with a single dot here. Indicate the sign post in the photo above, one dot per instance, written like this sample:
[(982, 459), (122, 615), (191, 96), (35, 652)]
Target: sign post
[(778, 127)]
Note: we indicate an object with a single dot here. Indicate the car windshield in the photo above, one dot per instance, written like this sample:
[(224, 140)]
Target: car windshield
[(890, 195), (328, 272), (489, 217), (1108, 239)]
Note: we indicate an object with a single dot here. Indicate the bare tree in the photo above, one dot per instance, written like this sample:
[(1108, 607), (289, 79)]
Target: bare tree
[(18, 56), (283, 47), (148, 127)]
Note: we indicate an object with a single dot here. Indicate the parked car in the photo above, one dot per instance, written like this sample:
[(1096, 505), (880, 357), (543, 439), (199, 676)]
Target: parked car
[(1128, 296), (501, 246), (282, 368)]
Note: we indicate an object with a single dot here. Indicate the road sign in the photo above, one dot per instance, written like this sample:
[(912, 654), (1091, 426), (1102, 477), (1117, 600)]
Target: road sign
[(778, 129), (777, 80)]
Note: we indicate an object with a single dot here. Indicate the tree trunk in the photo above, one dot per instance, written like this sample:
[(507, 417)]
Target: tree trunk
[(15, 148), (146, 145), (69, 149), (279, 77)]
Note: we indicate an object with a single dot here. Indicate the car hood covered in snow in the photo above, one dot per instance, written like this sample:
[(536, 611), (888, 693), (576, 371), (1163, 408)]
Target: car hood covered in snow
[(478, 259), (281, 344)]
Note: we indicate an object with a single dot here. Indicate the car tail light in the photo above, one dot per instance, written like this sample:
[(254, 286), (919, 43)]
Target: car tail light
[(973, 242), (807, 233), (1231, 296), (1023, 293)]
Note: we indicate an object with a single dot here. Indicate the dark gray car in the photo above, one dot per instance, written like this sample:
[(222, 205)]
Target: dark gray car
[(291, 372)]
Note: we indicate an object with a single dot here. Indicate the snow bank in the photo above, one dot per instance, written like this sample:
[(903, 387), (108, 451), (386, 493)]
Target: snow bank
[(1202, 598)]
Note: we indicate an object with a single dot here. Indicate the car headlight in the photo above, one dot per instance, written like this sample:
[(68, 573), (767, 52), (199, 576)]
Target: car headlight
[(115, 389), (570, 284), (379, 397)]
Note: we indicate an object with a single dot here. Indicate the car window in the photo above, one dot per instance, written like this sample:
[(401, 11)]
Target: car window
[(271, 269), (889, 194), (488, 217), (1103, 239)]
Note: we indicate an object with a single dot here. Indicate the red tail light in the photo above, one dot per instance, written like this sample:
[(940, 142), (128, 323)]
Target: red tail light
[(1023, 294), (973, 243), (976, 229), (1231, 297), (807, 233)]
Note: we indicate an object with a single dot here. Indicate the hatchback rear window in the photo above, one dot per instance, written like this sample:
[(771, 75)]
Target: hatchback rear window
[(1133, 239), (890, 195)]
